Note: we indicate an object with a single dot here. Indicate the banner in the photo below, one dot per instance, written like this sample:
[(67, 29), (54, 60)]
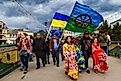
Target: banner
[(83, 18)]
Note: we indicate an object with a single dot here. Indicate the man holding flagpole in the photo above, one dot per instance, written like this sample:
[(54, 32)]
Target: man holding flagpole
[(54, 48)]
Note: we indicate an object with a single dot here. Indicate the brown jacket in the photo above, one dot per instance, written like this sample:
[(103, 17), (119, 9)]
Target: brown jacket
[(52, 44)]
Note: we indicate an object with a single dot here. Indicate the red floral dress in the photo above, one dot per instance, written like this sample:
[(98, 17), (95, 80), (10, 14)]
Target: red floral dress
[(99, 58)]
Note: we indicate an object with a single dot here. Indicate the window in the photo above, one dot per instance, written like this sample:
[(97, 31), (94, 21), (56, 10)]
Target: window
[(0, 36), (10, 35), (0, 31), (0, 26)]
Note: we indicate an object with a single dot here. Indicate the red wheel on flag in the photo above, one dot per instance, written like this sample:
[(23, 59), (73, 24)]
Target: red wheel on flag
[(83, 21)]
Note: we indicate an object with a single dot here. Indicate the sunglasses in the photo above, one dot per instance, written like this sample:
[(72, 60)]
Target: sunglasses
[(86, 34), (38, 35)]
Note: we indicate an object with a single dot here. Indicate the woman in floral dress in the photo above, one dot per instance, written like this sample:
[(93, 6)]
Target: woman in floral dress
[(69, 51), (99, 57)]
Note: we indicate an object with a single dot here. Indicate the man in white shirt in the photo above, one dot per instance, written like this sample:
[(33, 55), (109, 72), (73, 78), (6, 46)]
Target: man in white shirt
[(108, 41)]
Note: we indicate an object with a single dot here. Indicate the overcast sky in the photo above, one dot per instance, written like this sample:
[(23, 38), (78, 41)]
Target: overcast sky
[(42, 10)]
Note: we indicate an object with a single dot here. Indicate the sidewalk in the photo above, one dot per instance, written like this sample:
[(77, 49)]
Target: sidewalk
[(52, 73)]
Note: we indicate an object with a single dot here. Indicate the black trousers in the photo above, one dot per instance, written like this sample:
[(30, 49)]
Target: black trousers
[(55, 55), (45, 52), (38, 61), (48, 55), (104, 48), (62, 56), (86, 57)]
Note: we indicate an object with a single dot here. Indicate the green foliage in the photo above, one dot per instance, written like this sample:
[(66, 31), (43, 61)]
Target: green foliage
[(115, 32)]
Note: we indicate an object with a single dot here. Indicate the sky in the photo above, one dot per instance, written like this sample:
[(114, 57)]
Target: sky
[(34, 13)]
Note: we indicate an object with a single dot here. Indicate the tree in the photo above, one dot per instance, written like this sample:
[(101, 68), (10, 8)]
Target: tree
[(115, 33), (104, 27)]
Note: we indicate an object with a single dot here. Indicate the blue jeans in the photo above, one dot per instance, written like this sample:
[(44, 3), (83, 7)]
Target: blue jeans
[(24, 59), (107, 49), (30, 57)]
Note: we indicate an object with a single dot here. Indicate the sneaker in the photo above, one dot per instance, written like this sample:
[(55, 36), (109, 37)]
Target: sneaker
[(25, 72), (21, 69), (96, 71), (63, 59), (48, 62), (31, 60), (66, 73), (37, 67), (57, 65), (88, 71), (80, 71), (45, 62), (43, 65)]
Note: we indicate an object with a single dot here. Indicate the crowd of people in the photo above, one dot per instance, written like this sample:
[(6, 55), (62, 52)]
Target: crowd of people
[(74, 51)]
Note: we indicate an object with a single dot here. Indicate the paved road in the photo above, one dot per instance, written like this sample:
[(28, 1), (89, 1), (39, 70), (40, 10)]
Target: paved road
[(52, 73)]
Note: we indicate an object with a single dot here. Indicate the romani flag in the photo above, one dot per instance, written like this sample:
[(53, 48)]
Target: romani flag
[(83, 18)]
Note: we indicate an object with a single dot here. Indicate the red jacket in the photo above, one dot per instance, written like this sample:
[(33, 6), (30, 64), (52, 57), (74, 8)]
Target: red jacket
[(52, 44), (27, 46)]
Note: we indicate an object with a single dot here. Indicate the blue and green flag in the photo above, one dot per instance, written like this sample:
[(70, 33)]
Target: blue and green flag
[(83, 18)]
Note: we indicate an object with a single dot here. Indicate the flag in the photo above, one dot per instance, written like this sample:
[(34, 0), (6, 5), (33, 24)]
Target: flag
[(59, 20), (57, 32), (83, 18)]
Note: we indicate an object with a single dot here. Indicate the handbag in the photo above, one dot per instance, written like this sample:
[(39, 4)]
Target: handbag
[(26, 51)]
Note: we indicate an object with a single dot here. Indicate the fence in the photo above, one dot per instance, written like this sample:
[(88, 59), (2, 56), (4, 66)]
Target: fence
[(116, 49)]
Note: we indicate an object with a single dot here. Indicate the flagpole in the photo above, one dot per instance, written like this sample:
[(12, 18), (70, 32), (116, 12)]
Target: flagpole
[(48, 33), (62, 35)]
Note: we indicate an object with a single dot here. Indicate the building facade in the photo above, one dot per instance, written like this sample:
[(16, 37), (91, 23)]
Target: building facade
[(3, 30), (9, 36)]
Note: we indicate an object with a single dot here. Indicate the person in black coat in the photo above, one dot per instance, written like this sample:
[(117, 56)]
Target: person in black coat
[(38, 48), (48, 51), (86, 48), (17, 41)]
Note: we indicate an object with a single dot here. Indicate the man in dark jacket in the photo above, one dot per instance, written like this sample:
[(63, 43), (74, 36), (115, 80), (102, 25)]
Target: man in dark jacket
[(44, 38), (17, 41), (86, 48), (48, 51), (38, 48)]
